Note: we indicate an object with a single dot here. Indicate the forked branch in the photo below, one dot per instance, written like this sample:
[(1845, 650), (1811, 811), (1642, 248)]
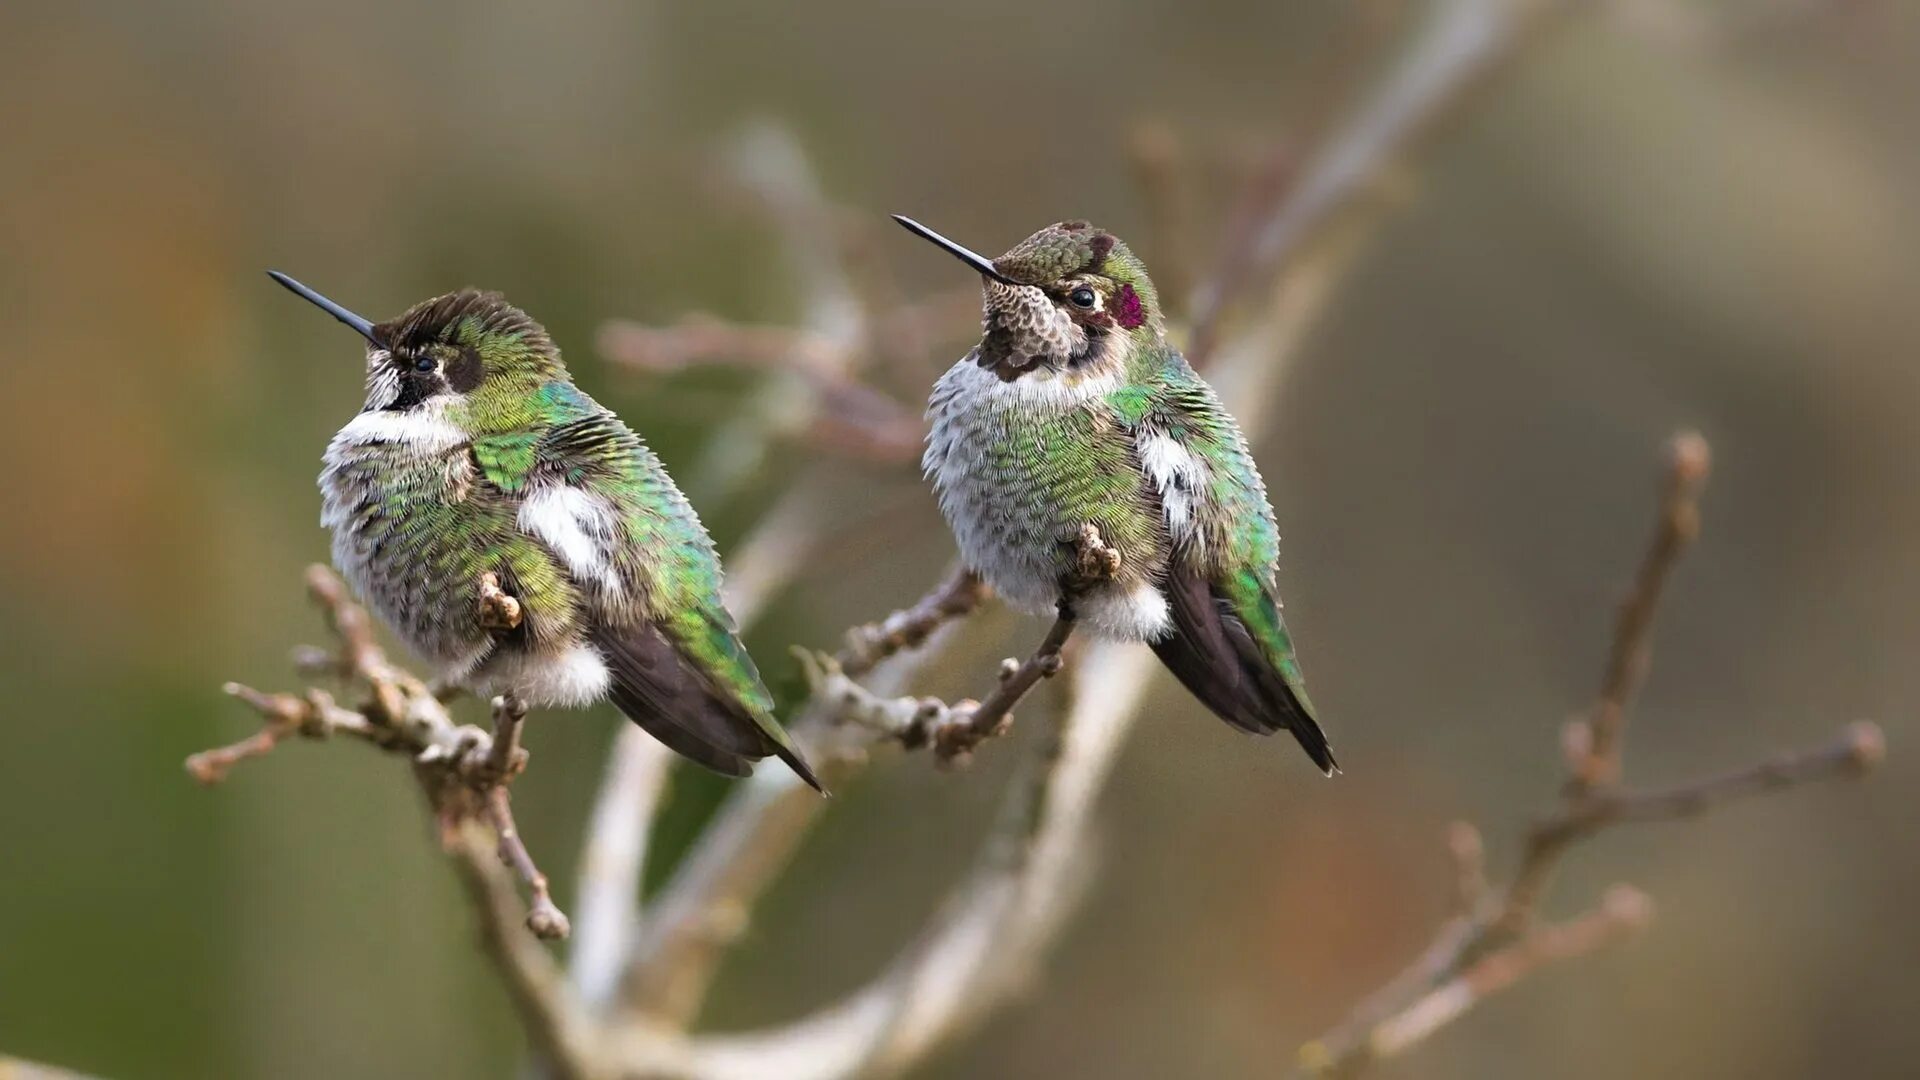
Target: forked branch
[(464, 771), (1495, 940)]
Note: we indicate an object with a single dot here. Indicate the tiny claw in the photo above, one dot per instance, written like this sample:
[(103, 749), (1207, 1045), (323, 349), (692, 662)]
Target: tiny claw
[(498, 609), (1096, 561)]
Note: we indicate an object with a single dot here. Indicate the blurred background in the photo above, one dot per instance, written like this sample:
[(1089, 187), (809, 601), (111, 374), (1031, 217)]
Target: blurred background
[(1664, 215)]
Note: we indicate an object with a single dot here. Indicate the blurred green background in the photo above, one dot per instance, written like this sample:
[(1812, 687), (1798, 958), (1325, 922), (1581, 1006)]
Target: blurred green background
[(1664, 216)]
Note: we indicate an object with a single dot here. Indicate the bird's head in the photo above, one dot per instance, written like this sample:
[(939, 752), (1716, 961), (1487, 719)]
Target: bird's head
[(470, 347), (1070, 296)]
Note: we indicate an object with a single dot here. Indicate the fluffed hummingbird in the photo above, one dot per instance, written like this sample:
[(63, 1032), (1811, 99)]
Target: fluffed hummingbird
[(1076, 410), (476, 454)]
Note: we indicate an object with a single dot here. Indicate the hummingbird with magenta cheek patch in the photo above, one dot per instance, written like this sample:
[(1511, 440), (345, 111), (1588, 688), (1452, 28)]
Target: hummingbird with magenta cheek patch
[(1075, 410), (475, 455)]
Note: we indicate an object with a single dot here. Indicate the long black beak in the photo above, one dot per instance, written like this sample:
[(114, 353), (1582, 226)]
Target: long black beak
[(359, 325), (966, 255)]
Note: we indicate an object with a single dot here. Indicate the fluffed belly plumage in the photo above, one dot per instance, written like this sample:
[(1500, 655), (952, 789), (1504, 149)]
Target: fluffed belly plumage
[(1021, 543), (410, 602)]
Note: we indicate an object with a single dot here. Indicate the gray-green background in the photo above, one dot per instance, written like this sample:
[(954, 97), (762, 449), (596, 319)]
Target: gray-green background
[(1641, 229)]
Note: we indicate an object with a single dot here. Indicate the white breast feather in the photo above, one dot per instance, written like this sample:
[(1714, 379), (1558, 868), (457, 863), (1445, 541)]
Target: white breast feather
[(1006, 544), (1180, 477), (579, 526), (424, 429), (577, 677)]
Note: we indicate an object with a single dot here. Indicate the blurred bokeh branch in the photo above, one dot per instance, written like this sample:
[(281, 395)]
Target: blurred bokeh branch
[(13, 1068), (1496, 938)]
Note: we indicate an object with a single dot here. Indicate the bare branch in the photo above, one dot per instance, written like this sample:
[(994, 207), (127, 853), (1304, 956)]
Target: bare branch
[(958, 594), (910, 721), (954, 741), (1469, 853), (544, 918), (559, 1027), (1161, 172), (980, 948), (463, 770), (1592, 748), (1858, 749), (1623, 911), (1465, 42), (955, 730), (506, 758), (707, 902), (1495, 941), (1679, 523), (13, 1068), (845, 415), (615, 858)]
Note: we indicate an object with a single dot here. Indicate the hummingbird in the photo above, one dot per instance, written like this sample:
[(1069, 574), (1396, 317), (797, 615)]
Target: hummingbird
[(476, 454), (1074, 411)]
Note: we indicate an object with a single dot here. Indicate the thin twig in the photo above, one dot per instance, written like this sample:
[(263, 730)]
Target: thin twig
[(1469, 853), (557, 1024), (1161, 167), (1858, 749), (1496, 939), (1592, 747), (464, 771), (13, 1068), (505, 758), (1463, 45), (958, 594), (955, 730), (846, 415), (955, 741), (543, 918), (1595, 758), (613, 863), (982, 946), (1623, 911)]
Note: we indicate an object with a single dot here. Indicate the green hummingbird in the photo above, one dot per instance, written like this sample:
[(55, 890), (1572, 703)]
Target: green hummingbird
[(1076, 410), (476, 454)]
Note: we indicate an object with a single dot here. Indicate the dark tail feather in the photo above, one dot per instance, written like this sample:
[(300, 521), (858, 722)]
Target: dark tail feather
[(801, 769), (1217, 660), (659, 690), (678, 739)]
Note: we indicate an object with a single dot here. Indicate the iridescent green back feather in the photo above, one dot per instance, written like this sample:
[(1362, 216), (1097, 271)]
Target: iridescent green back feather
[(1239, 548)]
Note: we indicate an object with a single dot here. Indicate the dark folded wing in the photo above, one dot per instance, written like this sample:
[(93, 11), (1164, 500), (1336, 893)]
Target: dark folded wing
[(660, 689), (1244, 673)]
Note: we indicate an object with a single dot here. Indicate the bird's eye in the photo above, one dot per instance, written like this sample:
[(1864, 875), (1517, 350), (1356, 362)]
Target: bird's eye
[(424, 364), (1082, 297)]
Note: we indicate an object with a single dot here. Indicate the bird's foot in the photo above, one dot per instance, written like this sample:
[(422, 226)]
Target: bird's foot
[(498, 609), (1094, 561)]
